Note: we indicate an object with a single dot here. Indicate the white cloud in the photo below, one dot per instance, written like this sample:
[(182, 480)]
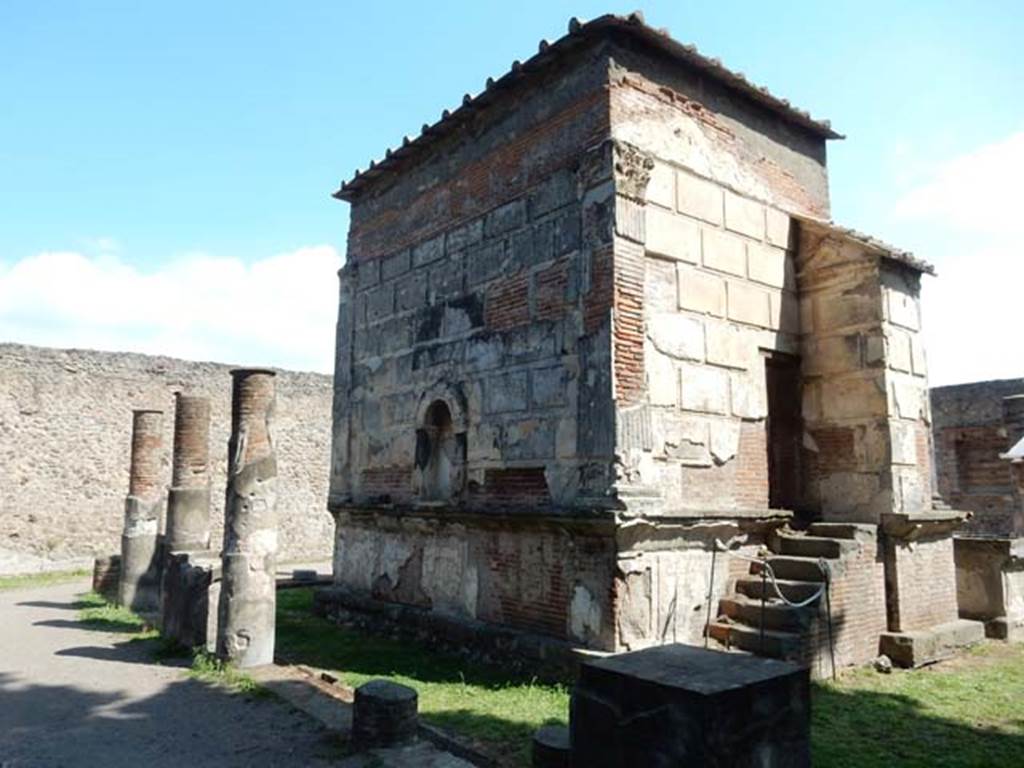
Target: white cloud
[(277, 311), (964, 217)]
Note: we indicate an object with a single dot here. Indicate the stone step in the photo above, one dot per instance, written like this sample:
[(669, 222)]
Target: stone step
[(838, 530), (775, 615), (793, 590), (813, 546), (792, 567), (777, 645)]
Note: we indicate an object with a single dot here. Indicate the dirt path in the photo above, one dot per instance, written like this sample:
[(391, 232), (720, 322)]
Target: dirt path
[(72, 696)]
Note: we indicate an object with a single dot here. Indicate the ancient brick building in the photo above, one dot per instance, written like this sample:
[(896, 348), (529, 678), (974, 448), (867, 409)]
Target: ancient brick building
[(596, 319), (973, 424), (979, 428)]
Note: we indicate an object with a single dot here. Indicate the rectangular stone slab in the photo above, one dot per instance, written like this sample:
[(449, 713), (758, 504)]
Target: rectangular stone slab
[(682, 705)]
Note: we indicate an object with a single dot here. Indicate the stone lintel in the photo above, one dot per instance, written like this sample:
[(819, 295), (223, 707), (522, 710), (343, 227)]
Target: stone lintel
[(593, 520), (910, 527)]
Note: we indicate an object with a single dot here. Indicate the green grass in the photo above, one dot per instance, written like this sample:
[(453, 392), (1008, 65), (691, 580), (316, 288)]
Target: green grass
[(965, 712), (210, 669), (40, 579), (96, 613), (495, 707)]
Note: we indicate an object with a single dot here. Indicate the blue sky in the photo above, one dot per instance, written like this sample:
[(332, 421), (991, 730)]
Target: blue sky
[(145, 143)]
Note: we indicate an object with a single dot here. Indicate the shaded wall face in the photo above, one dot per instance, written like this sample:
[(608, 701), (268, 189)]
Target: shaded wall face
[(474, 288), (64, 456)]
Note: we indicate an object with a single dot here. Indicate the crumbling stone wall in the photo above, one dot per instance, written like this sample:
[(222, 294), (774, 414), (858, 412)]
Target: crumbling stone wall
[(864, 392), (717, 292), (969, 434), (65, 437)]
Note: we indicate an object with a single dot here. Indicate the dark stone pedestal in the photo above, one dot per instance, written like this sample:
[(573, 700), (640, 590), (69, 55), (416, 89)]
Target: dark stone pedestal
[(681, 705), (384, 714), (188, 614), (551, 747), (106, 575)]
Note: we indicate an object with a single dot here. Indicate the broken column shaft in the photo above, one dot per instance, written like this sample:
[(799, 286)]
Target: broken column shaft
[(188, 504), (245, 631), (140, 568)]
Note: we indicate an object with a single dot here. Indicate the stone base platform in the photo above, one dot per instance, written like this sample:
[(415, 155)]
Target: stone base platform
[(1005, 628), (916, 648)]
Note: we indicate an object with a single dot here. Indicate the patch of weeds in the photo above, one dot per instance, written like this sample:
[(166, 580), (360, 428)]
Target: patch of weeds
[(497, 707), (40, 579), (166, 649), (96, 613), (209, 669)]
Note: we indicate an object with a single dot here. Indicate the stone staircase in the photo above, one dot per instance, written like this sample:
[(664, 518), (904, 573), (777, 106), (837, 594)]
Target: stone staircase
[(788, 633)]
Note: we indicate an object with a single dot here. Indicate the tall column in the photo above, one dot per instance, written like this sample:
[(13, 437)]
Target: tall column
[(188, 505), (140, 568), (245, 631)]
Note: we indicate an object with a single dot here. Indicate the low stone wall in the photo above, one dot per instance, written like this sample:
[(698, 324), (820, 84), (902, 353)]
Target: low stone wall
[(65, 439), (990, 584)]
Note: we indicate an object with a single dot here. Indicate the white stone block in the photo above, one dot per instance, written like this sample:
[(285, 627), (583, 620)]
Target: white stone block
[(907, 398), (903, 440), (903, 309), (785, 311), (744, 216), (701, 291), (730, 345), (749, 399), (917, 356), (899, 357), (662, 377), (725, 439), (661, 189), (777, 227), (668, 234), (769, 265), (698, 198), (748, 304), (704, 388), (676, 335), (724, 252)]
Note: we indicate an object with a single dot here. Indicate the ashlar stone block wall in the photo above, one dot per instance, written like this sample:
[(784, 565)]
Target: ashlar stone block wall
[(65, 439)]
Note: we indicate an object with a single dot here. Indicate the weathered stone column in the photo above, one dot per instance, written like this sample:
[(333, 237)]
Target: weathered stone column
[(188, 504), (245, 631), (140, 566)]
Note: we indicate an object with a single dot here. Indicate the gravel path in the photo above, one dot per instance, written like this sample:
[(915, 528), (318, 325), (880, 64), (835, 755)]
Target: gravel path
[(72, 696)]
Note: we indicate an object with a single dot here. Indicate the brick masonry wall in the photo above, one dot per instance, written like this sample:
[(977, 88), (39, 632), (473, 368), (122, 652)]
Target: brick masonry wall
[(65, 438), (495, 303), (925, 581), (531, 574), (857, 595), (969, 434)]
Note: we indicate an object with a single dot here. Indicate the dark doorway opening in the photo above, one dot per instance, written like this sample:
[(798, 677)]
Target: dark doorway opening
[(785, 431)]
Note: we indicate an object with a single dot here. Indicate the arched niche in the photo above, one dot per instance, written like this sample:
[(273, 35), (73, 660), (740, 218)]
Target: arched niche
[(440, 445)]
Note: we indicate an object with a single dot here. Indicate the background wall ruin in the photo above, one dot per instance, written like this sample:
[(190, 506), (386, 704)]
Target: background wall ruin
[(65, 438)]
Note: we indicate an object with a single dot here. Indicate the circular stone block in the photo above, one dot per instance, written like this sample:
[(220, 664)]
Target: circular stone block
[(384, 715), (551, 747)]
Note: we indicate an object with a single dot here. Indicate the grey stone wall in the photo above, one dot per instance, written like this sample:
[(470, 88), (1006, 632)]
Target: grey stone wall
[(65, 438)]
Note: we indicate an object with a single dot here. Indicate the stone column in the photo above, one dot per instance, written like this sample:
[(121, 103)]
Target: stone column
[(245, 631), (140, 567), (188, 505)]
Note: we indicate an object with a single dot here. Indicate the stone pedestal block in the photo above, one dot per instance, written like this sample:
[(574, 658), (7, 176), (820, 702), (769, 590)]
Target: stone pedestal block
[(990, 584), (551, 747), (189, 614), (681, 705), (106, 574), (384, 715)]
